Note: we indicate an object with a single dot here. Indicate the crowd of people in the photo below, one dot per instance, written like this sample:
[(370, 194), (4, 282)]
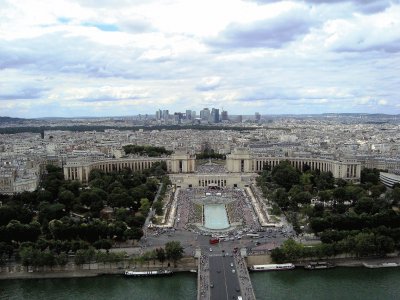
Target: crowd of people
[(204, 274), (241, 211), (211, 168), (239, 208), (244, 278), (186, 210)]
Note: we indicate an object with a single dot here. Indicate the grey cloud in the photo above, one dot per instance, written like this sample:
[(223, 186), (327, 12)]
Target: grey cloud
[(109, 3), (208, 85), (364, 6), (108, 98), (269, 33), (136, 26), (360, 46), (288, 94), (27, 93), (60, 53)]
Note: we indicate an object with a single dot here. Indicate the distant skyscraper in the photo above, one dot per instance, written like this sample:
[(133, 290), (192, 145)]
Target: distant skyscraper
[(188, 114), (224, 115), (257, 116), (165, 115), (178, 117), (214, 115), (158, 114), (193, 115), (205, 114)]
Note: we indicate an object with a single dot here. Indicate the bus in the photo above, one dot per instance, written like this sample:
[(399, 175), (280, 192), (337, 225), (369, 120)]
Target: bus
[(214, 240), (253, 235)]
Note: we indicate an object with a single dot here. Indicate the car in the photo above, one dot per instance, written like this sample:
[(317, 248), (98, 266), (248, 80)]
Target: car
[(233, 271), (210, 249), (212, 285), (231, 264)]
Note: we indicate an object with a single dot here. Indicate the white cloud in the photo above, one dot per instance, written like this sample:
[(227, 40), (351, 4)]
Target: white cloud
[(382, 102), (108, 57)]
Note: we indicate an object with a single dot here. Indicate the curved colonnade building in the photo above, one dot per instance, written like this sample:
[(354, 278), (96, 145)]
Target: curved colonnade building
[(241, 166), (176, 163), (243, 161)]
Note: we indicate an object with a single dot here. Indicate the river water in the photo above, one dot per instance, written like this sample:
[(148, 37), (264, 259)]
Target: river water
[(339, 283)]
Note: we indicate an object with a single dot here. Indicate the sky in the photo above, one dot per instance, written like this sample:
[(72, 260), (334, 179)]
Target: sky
[(72, 58)]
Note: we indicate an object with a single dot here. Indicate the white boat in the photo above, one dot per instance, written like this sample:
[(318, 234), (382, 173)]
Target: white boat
[(272, 267), (147, 273), (318, 265), (381, 265)]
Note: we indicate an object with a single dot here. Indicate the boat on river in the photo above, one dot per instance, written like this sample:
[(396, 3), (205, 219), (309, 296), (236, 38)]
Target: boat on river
[(381, 265), (272, 267), (319, 265), (147, 273)]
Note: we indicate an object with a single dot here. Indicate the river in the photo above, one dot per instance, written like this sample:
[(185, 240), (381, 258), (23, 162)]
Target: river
[(339, 283)]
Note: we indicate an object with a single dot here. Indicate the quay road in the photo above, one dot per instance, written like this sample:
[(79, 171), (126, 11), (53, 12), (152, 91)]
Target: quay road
[(224, 277)]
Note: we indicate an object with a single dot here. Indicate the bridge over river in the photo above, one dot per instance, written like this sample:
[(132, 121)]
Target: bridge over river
[(223, 276)]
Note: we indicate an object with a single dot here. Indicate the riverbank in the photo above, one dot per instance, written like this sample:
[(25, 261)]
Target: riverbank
[(71, 270), (185, 265), (339, 262)]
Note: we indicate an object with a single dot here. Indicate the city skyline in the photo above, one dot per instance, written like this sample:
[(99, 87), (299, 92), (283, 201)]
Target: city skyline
[(101, 58)]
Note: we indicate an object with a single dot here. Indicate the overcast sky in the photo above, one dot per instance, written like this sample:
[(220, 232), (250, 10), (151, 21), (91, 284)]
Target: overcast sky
[(129, 57)]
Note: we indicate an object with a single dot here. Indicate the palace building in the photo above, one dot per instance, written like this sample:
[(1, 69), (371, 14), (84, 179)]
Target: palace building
[(240, 168)]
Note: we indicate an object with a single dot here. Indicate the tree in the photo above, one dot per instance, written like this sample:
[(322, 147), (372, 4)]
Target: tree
[(377, 190), (281, 197), (285, 175), (174, 251), (144, 206), (80, 257), (365, 244), (289, 251), (67, 198), (339, 194), (369, 176), (325, 196), (158, 207), (28, 256), (62, 259), (395, 195), (302, 198), (133, 233), (161, 256), (364, 205), (324, 181)]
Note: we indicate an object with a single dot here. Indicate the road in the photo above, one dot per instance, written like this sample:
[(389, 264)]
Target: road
[(224, 283)]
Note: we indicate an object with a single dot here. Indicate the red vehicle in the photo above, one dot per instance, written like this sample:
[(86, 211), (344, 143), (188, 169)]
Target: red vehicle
[(214, 241)]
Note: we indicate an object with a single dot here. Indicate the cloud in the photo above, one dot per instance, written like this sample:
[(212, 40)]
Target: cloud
[(62, 52), (110, 3), (21, 93), (363, 6), (102, 94), (103, 58), (382, 102), (274, 32), (136, 24), (102, 26), (379, 32), (209, 83)]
